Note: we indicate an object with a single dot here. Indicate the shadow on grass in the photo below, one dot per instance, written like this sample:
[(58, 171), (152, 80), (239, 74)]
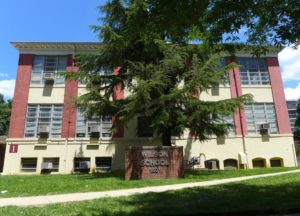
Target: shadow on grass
[(234, 199)]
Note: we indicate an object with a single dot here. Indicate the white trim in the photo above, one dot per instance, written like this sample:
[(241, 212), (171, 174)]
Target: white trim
[(55, 52), (244, 54)]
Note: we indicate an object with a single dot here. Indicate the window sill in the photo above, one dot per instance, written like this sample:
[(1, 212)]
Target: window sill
[(43, 85), (256, 86)]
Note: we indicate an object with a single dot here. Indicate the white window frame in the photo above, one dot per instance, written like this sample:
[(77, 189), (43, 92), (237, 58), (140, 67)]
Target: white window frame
[(84, 125), (28, 161), (261, 72), (267, 116), (229, 120), (102, 72), (38, 70), (37, 118)]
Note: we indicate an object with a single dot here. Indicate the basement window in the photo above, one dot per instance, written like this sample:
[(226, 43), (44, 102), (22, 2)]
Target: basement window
[(28, 164), (103, 163), (51, 164), (82, 164)]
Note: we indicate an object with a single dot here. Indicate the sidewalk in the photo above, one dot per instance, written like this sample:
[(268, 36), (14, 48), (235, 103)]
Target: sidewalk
[(63, 198)]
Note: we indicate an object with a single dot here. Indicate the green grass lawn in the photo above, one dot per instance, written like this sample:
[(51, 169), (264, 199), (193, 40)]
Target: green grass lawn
[(279, 193), (57, 184)]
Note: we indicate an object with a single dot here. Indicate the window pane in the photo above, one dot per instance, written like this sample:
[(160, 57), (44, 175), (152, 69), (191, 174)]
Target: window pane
[(83, 125), (48, 64), (253, 71), (43, 115), (256, 114)]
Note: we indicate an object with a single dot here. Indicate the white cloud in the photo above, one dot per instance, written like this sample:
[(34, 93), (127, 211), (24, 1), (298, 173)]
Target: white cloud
[(7, 88), (289, 60), (292, 93)]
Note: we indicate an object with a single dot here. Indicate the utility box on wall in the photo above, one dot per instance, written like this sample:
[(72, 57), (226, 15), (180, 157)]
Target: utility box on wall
[(153, 162)]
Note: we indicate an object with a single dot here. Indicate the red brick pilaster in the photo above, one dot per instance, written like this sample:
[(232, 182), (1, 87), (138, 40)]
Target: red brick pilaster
[(278, 96), (236, 91), (118, 95), (20, 100), (71, 92)]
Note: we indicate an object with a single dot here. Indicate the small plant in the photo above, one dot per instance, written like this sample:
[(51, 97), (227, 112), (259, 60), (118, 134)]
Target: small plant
[(93, 170)]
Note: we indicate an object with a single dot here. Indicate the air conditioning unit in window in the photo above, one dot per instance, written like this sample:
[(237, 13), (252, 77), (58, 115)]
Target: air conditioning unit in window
[(84, 165), (264, 128), (80, 134), (94, 131), (49, 76), (47, 165), (44, 131)]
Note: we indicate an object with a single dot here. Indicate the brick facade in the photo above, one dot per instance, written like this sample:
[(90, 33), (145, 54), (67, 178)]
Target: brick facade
[(281, 110), (236, 91), (153, 162), (19, 105), (118, 95), (71, 91)]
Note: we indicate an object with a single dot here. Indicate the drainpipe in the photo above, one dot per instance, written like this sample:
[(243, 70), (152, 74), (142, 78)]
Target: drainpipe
[(66, 144)]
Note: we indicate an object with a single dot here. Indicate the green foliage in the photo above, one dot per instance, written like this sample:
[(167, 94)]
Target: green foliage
[(5, 108), (151, 43), (207, 21)]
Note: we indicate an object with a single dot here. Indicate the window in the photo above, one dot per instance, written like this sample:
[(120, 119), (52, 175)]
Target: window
[(28, 164), (83, 125), (259, 113), (102, 72), (230, 164), (103, 163), (82, 164), (212, 164), (215, 90), (229, 120), (144, 129), (292, 110), (50, 65), (51, 164), (254, 71), (43, 115), (105, 71), (276, 162), (258, 162)]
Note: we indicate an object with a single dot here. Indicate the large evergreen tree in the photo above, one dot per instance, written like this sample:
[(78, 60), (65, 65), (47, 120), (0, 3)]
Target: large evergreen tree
[(5, 108), (150, 43)]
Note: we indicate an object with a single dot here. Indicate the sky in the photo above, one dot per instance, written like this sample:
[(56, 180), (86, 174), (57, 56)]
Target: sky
[(69, 21)]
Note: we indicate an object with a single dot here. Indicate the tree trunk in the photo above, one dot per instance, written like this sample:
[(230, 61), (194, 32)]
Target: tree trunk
[(166, 137)]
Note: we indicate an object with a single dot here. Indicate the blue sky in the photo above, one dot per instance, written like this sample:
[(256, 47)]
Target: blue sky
[(69, 20)]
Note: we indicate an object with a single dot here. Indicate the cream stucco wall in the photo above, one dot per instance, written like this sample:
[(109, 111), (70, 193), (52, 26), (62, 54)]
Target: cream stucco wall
[(255, 146), (46, 94), (224, 93), (262, 94)]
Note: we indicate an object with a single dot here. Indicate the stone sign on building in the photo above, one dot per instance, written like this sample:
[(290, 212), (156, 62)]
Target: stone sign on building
[(153, 162)]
